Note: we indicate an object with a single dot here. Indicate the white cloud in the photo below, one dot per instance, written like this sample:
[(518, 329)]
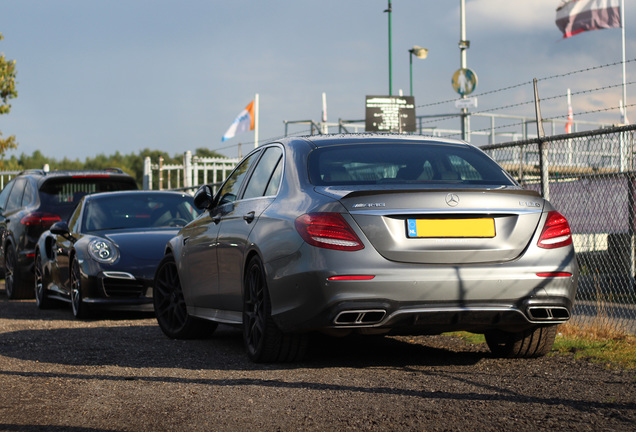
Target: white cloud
[(518, 15)]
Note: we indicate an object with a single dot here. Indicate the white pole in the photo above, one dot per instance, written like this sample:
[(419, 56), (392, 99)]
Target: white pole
[(463, 63), (324, 127), (625, 121), (256, 120)]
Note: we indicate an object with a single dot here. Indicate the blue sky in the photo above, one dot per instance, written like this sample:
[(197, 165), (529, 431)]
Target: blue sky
[(123, 75)]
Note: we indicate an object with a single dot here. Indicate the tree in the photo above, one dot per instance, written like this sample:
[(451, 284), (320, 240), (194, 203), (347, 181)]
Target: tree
[(205, 152), (7, 91)]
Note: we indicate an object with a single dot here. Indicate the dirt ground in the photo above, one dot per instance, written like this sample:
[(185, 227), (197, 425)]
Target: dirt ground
[(117, 372)]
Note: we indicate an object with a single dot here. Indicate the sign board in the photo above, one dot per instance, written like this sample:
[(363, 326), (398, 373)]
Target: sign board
[(390, 114), (464, 81), (466, 103)]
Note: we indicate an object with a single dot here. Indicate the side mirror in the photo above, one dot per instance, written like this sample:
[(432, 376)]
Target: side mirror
[(60, 228), (203, 198)]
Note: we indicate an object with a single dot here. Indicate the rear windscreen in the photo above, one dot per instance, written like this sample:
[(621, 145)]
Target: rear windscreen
[(60, 195), (403, 164)]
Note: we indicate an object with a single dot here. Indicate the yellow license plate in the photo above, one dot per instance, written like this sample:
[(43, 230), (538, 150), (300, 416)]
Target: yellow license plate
[(445, 228)]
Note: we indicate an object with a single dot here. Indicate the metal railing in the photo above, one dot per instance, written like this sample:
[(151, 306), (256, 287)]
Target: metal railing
[(194, 171), (592, 182)]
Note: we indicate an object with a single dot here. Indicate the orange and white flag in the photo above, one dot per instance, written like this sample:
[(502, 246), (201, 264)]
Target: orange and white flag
[(242, 123)]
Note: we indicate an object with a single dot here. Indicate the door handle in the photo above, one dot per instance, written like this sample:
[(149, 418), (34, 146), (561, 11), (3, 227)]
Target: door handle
[(216, 219), (249, 217)]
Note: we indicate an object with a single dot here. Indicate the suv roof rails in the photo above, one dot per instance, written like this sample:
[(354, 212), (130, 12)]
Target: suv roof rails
[(33, 171), (45, 172)]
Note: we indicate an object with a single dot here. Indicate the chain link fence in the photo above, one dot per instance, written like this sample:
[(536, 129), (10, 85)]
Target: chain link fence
[(590, 177)]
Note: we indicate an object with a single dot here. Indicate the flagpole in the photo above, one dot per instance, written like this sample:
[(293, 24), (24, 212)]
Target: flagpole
[(625, 120), (256, 113)]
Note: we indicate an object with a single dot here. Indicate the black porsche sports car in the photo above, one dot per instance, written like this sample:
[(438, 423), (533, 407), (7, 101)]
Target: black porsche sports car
[(107, 252)]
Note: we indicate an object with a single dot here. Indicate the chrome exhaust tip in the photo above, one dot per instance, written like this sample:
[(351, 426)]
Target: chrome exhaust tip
[(360, 317), (548, 313)]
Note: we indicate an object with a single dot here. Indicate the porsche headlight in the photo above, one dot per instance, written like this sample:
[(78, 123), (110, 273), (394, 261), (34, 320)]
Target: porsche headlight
[(103, 251)]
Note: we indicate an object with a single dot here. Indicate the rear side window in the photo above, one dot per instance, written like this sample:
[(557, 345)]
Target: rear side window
[(29, 195), (404, 164), (266, 177), (15, 198), (60, 195)]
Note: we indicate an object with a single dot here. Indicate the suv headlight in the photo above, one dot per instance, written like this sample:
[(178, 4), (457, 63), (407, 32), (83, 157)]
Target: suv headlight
[(103, 251)]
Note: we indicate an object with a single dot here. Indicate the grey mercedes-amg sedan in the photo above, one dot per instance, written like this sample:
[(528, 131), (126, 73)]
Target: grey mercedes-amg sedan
[(376, 234)]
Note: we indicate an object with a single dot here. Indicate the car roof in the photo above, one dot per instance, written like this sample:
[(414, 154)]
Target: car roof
[(136, 192), (58, 173), (42, 176), (376, 138)]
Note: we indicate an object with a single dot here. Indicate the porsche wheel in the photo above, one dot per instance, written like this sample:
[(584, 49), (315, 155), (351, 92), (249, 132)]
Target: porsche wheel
[(80, 308), (264, 342), (170, 307), (535, 342)]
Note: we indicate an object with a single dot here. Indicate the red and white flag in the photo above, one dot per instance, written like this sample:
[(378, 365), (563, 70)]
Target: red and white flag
[(576, 16)]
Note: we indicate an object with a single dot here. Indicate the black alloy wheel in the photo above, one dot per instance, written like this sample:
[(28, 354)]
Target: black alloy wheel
[(264, 341), (170, 307), (13, 283), (80, 308), (530, 343), (41, 298), (9, 270)]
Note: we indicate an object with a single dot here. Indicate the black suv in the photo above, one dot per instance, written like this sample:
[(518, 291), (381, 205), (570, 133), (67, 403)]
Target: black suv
[(32, 202)]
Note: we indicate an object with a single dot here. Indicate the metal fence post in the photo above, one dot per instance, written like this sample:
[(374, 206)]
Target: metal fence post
[(631, 178), (543, 148)]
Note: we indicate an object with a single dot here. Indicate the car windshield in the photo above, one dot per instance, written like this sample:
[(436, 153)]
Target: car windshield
[(138, 211), (363, 164), (62, 194)]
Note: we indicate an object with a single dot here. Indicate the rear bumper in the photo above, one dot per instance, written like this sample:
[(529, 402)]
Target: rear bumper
[(429, 318), (438, 318), (423, 299)]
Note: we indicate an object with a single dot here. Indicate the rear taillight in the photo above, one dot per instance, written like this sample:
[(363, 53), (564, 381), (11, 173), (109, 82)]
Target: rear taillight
[(40, 219), (328, 230), (556, 232)]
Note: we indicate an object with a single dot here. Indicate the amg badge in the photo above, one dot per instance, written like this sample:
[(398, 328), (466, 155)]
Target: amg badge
[(367, 205)]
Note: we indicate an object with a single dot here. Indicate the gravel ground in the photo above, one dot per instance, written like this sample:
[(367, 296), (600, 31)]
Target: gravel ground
[(118, 372)]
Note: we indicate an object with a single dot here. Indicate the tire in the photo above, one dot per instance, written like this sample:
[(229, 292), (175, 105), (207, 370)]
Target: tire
[(79, 307), (13, 280), (41, 297), (263, 340), (535, 342), (170, 307)]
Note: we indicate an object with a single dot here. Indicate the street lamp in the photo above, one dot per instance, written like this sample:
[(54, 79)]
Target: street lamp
[(418, 52)]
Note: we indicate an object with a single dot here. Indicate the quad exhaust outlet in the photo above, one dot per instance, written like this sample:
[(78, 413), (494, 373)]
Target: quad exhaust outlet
[(360, 317), (548, 313)]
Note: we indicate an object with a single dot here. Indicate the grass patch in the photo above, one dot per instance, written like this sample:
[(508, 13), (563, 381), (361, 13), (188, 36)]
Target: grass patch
[(598, 342)]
